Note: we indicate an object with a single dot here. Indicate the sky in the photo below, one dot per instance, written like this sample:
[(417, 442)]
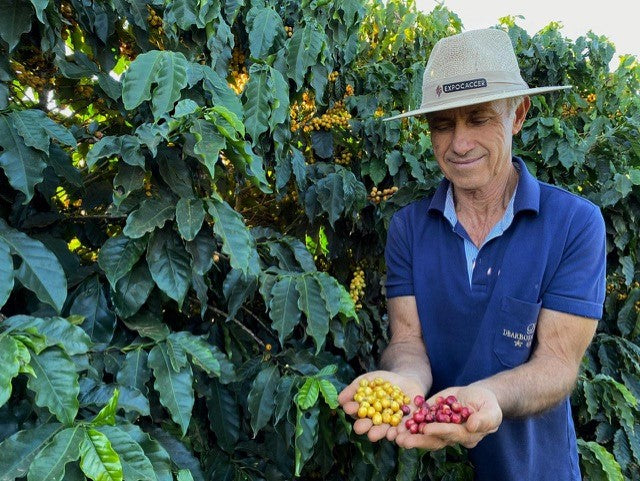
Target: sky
[(616, 19)]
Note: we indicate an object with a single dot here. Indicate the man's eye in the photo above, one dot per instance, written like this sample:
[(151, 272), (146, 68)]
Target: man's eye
[(479, 120), (440, 127)]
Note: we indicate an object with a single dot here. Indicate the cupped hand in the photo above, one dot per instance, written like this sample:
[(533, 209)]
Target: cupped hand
[(408, 385), (485, 418)]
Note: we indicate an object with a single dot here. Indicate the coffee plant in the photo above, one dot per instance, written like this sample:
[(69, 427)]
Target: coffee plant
[(194, 197)]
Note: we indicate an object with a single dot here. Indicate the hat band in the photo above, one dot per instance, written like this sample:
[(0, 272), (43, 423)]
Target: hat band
[(475, 85)]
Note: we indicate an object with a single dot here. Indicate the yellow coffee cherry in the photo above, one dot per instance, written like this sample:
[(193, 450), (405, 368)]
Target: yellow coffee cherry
[(362, 412), (386, 418), (364, 383), (377, 419), (377, 406), (371, 411)]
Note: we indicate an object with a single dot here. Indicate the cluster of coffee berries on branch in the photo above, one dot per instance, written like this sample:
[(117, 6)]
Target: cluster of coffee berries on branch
[(376, 196), (302, 112), (336, 116), (591, 98), (344, 158), (381, 402), (289, 30), (445, 410), (356, 289), (239, 74), (155, 21), (333, 76)]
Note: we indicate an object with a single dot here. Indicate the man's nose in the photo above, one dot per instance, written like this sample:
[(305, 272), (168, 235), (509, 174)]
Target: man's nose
[(462, 141)]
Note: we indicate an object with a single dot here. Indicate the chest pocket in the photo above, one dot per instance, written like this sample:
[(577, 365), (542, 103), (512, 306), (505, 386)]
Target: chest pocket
[(515, 332)]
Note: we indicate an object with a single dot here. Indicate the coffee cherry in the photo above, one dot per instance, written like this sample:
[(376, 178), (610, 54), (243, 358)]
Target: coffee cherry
[(378, 401), (445, 410)]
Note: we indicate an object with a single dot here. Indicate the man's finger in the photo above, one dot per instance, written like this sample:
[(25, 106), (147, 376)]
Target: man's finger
[(347, 393), (376, 433), (361, 426), (407, 440), (351, 408)]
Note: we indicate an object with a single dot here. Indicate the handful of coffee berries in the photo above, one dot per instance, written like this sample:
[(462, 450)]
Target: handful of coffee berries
[(381, 402), (445, 410)]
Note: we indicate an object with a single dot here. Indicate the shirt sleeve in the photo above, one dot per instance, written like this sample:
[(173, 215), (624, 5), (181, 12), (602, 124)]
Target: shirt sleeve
[(398, 259), (578, 285)]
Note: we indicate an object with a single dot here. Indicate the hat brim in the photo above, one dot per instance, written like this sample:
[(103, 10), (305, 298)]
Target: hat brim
[(477, 100)]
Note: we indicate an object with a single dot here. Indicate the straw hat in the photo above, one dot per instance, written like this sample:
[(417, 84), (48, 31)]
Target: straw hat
[(471, 68)]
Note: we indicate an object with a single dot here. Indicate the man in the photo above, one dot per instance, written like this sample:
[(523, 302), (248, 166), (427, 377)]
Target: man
[(495, 283)]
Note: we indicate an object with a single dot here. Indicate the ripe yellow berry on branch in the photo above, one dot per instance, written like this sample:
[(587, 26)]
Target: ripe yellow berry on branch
[(356, 288), (376, 196), (239, 74)]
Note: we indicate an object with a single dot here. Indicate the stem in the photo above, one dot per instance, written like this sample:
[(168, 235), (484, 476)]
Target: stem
[(242, 326)]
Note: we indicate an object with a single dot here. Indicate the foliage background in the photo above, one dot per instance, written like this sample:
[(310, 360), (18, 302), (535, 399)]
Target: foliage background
[(193, 204)]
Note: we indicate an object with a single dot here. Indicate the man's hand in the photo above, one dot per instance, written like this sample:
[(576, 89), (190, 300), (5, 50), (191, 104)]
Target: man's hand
[(485, 418), (409, 386)]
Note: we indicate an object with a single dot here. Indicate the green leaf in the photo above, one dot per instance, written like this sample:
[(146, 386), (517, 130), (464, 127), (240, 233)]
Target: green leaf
[(336, 297), (22, 165), (284, 397), (9, 366), (107, 414), (256, 106), (175, 388), (189, 216), (597, 453), (148, 325), (329, 393), (237, 241), (331, 196), (184, 475), (408, 464), (134, 371), (182, 13), (261, 400), (6, 272), (303, 50), (209, 143), (118, 255), (634, 176), (169, 264), (55, 383), (136, 466), (40, 270), (50, 463), (279, 98), (283, 307), (199, 350), (37, 130), (308, 393), (59, 331), (132, 290), (221, 93), (322, 142), (166, 69), (265, 26), (91, 303), (305, 437), (224, 417), (152, 214), (125, 146), (15, 19), (18, 451), (98, 460), (314, 308), (153, 450)]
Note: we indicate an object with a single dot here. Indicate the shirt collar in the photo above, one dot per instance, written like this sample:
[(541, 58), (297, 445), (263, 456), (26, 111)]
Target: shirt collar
[(527, 196)]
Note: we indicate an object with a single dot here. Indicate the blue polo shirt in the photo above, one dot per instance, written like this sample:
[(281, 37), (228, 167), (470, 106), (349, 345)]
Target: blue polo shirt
[(551, 255)]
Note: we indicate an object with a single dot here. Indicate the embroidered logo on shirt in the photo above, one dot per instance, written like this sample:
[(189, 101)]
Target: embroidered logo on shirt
[(519, 338)]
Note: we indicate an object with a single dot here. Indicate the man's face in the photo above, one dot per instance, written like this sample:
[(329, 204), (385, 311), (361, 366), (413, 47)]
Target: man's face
[(473, 144)]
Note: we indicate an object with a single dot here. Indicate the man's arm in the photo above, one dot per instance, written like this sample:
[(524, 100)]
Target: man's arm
[(406, 353), (539, 384), (550, 375)]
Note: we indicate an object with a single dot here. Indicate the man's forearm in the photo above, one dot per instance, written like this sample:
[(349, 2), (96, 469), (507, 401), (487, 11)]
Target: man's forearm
[(533, 387), (409, 359)]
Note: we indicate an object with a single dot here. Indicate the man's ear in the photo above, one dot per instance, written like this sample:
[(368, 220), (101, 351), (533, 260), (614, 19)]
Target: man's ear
[(520, 115)]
